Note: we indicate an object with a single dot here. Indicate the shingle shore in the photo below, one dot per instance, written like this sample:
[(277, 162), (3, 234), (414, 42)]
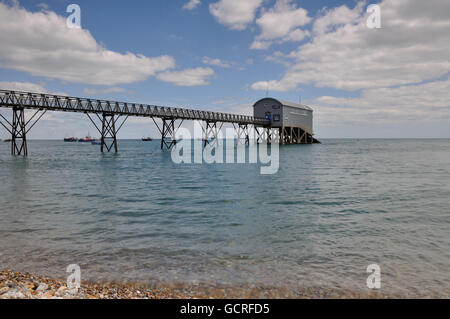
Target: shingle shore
[(14, 285)]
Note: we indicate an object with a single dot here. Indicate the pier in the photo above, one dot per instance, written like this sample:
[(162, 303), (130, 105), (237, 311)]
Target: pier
[(108, 117)]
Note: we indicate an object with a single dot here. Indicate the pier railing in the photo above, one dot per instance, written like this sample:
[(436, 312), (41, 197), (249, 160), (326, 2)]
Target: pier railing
[(52, 102)]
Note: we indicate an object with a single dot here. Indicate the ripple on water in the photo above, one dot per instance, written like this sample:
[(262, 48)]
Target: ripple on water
[(331, 210)]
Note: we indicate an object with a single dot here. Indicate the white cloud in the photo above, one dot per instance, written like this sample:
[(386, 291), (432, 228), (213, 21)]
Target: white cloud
[(336, 17), (103, 91), (427, 102), (267, 85), (41, 44), (27, 87), (412, 46), (215, 62), (280, 58), (260, 45), (230, 100), (296, 36), (192, 4), (23, 86), (188, 77), (399, 69), (281, 24), (235, 14), (241, 109)]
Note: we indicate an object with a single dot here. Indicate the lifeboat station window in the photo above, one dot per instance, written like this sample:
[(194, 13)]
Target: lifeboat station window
[(276, 117)]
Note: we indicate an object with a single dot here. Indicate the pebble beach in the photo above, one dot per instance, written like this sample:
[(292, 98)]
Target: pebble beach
[(14, 285)]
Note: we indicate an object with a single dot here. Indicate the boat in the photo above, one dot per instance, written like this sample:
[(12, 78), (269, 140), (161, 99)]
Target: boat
[(87, 139), (147, 139), (96, 142), (70, 139), (8, 140)]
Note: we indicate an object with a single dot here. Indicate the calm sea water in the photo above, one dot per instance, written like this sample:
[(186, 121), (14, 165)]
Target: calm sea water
[(331, 210)]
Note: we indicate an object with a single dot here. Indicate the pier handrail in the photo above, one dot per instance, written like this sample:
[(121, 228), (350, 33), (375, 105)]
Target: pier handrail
[(52, 102)]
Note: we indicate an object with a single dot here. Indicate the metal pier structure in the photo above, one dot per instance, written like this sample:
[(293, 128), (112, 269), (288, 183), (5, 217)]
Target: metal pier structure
[(112, 115)]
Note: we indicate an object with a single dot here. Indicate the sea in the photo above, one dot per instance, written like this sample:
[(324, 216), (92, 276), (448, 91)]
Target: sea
[(331, 211)]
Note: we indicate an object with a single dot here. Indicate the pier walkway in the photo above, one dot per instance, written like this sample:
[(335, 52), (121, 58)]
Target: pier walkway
[(112, 116)]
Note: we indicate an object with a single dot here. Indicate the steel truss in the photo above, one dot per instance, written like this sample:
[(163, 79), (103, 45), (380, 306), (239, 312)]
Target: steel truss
[(211, 133), (242, 132), (19, 129), (267, 135), (51, 102), (168, 132), (295, 135), (108, 132)]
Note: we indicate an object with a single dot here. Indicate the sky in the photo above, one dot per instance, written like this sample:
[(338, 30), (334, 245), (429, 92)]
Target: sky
[(224, 55)]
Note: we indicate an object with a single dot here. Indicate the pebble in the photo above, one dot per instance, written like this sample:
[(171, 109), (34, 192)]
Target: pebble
[(62, 289), (30, 285), (42, 287), (47, 295), (13, 294), (21, 285)]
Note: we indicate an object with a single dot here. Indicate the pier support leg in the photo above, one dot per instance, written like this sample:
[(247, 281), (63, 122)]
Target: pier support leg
[(258, 137), (242, 132), (295, 135), (269, 133), (19, 128), (109, 133), (244, 129), (19, 133), (208, 133), (211, 133), (275, 136), (265, 134), (288, 135), (168, 132)]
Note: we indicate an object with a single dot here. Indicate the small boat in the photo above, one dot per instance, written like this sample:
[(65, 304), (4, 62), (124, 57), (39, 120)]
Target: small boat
[(96, 142), (70, 139), (147, 139), (8, 140)]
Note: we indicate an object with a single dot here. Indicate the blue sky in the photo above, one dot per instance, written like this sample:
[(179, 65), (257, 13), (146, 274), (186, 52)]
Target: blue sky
[(222, 55)]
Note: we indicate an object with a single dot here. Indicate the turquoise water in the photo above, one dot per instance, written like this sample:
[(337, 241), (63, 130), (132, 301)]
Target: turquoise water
[(331, 210)]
